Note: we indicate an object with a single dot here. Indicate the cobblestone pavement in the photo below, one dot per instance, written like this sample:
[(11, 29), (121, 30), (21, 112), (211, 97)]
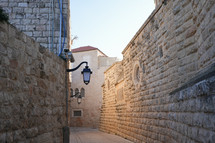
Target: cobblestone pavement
[(87, 135)]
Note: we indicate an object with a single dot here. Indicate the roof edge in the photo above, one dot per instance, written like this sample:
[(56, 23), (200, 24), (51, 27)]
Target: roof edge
[(90, 50)]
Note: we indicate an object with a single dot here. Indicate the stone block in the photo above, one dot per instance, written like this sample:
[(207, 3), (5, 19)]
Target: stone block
[(29, 33), (3, 137), (191, 31), (31, 16), (37, 33), (15, 21), (209, 4), (36, 10), (13, 4), (3, 4), (189, 41), (3, 50), (28, 10), (205, 33), (4, 38), (17, 10), (44, 22), (41, 28), (3, 73), (31, 27), (176, 9), (46, 34), (43, 16), (45, 138), (44, 10), (22, 4), (42, 40), (32, 132), (41, 5)]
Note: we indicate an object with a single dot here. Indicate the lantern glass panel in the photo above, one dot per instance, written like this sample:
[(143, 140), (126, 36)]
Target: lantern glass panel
[(86, 76)]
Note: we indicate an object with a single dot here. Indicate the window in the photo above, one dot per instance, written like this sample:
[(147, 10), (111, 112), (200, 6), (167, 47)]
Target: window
[(108, 85), (120, 94), (71, 92), (77, 113), (76, 91), (137, 74), (143, 68), (137, 71), (160, 52), (82, 92)]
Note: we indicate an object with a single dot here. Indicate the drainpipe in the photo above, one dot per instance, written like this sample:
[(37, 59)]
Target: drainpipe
[(60, 7), (66, 130)]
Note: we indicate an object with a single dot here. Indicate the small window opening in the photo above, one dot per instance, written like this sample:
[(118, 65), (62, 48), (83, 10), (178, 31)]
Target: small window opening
[(82, 92), (76, 91), (160, 52), (77, 113), (108, 84), (138, 74)]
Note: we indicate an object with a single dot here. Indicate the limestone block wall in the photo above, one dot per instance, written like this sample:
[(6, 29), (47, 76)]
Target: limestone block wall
[(39, 19), (168, 80), (32, 90), (111, 112)]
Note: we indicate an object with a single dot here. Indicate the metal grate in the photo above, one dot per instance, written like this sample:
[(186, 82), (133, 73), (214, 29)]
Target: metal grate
[(77, 113)]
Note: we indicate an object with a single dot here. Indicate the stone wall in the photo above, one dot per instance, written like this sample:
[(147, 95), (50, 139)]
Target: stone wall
[(38, 19), (32, 90), (168, 78)]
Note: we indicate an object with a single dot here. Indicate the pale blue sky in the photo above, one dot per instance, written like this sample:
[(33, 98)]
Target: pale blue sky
[(108, 24)]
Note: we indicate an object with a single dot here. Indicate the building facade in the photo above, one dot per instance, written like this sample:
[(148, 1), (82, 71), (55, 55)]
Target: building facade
[(163, 90), (41, 20), (87, 114)]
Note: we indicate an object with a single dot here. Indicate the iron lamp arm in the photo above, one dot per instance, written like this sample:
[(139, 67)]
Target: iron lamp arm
[(71, 70)]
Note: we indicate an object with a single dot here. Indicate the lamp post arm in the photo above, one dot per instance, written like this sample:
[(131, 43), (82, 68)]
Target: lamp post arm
[(71, 70), (75, 95)]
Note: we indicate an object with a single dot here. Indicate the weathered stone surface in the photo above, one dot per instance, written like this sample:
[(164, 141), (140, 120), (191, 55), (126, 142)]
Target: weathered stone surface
[(175, 99), (31, 108), (32, 18)]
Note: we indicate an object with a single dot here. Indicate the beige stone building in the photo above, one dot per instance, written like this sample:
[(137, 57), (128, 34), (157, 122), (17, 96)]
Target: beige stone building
[(87, 113)]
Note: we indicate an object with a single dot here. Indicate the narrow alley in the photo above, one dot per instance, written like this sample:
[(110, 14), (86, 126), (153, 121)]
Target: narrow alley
[(88, 135), (161, 90)]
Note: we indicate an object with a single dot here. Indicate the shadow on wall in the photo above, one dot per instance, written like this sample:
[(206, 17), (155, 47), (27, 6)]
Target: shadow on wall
[(32, 90)]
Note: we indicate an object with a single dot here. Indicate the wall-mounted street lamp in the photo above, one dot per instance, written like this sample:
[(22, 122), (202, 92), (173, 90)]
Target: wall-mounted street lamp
[(79, 98), (78, 95), (86, 72), (86, 76)]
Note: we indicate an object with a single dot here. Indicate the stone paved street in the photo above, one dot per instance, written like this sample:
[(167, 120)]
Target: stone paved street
[(87, 135)]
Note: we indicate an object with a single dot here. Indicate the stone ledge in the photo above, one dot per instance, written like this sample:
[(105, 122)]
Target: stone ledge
[(202, 75)]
